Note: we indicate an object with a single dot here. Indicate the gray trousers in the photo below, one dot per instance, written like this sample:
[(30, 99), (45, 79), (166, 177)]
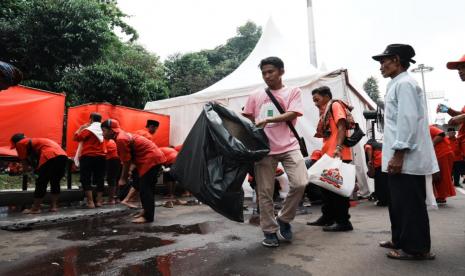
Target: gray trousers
[(265, 170)]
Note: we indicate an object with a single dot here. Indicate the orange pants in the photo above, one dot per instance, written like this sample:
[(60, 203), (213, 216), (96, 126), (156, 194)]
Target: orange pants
[(445, 188)]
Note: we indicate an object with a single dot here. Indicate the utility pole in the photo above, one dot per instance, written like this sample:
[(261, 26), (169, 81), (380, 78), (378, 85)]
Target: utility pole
[(311, 34), (423, 69)]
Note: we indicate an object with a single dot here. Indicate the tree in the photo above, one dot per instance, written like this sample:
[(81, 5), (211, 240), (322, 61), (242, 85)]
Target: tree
[(371, 88), (185, 78), (243, 43), (128, 75), (70, 45), (45, 38), (187, 73), (226, 58)]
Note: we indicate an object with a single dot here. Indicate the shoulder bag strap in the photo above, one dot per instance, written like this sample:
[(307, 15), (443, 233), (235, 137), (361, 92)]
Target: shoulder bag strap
[(281, 110)]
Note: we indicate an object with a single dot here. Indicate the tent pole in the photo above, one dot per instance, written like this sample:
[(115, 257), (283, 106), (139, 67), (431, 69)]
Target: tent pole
[(311, 34)]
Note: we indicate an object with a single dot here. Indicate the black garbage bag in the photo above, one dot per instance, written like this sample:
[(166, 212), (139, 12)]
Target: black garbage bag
[(215, 157)]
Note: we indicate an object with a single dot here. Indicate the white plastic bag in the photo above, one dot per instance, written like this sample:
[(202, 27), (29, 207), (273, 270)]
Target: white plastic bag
[(430, 199), (334, 175)]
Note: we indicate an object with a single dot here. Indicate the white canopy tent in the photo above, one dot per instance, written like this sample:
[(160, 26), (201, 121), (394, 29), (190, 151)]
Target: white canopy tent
[(234, 89)]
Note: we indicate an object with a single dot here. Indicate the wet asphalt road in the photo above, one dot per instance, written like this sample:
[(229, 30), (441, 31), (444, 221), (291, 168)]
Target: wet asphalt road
[(193, 240)]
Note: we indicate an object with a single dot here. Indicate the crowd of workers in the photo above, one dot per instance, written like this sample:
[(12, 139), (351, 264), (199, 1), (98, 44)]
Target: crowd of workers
[(410, 151), (130, 161)]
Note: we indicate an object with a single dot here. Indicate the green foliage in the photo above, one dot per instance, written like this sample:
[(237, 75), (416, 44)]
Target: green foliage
[(71, 46), (44, 38), (187, 73), (190, 73), (129, 77), (371, 88), (242, 44)]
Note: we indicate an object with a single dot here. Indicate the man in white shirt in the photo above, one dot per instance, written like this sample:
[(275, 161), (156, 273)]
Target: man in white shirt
[(408, 156)]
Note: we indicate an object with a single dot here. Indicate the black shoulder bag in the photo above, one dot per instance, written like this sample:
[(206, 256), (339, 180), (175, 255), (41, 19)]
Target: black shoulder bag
[(356, 136), (32, 156), (303, 146)]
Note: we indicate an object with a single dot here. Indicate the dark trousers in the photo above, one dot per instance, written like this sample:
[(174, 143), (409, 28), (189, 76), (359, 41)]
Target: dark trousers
[(335, 207), (51, 171), (457, 170), (92, 171), (313, 192), (135, 180), (113, 170), (408, 214), (381, 186), (147, 185)]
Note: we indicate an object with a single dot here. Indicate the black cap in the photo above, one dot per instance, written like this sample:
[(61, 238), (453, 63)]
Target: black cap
[(152, 123), (95, 117), (404, 51), (16, 138)]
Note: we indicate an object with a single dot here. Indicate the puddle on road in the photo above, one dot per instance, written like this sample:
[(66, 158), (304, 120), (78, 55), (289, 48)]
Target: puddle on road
[(167, 265), (84, 259), (108, 227), (112, 238), (154, 266), (211, 260)]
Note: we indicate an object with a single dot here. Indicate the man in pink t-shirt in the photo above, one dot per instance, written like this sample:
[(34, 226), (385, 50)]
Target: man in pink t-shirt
[(284, 148)]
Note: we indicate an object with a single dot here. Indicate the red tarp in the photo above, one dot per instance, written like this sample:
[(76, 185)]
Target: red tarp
[(34, 112), (130, 120)]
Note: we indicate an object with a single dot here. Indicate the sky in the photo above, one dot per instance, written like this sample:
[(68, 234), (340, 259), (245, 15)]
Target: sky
[(347, 33)]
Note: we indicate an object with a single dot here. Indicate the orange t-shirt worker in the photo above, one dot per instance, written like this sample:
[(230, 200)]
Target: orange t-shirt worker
[(51, 166), (330, 143)]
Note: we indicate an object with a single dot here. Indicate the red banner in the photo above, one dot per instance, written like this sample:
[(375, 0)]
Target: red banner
[(36, 113), (130, 120)]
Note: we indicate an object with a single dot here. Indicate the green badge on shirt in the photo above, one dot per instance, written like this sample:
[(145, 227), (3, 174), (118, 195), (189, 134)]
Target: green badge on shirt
[(270, 113)]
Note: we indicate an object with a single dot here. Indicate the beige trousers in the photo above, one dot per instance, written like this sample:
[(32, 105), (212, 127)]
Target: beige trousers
[(265, 170)]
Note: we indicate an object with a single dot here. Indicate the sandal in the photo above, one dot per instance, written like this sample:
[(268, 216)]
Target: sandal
[(388, 244), (402, 255), (32, 211), (180, 202), (168, 204)]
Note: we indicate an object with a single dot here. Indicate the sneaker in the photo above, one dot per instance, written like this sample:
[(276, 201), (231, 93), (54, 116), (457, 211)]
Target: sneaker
[(271, 240), (284, 232)]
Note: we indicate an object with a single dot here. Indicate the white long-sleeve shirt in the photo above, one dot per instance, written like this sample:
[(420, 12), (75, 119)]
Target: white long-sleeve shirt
[(406, 127)]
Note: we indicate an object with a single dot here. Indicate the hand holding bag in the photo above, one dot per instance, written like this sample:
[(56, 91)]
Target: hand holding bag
[(334, 175)]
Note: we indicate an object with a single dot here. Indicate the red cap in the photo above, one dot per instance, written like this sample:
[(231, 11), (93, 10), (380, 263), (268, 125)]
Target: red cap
[(111, 123), (454, 64), (316, 155)]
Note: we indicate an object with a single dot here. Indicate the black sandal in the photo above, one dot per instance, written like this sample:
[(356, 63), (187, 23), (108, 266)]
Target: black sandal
[(402, 255), (388, 244)]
